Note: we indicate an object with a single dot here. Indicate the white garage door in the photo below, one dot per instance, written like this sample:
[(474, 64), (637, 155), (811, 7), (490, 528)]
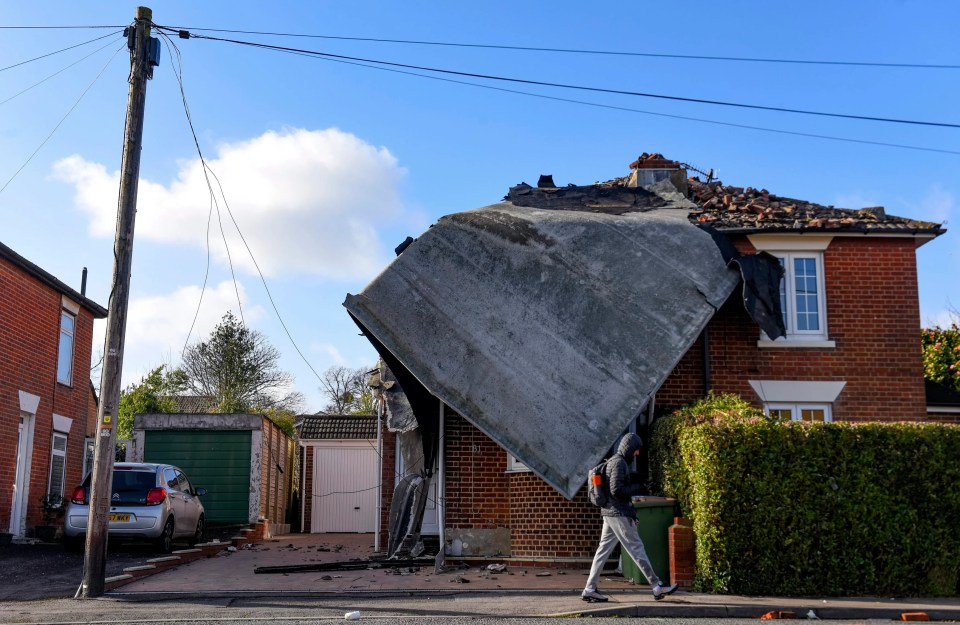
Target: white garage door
[(345, 479)]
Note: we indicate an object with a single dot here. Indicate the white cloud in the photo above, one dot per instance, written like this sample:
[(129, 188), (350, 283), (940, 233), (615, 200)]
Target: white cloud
[(330, 351), (157, 325), (307, 202)]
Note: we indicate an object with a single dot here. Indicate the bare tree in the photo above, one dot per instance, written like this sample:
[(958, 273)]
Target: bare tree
[(346, 390), (237, 367)]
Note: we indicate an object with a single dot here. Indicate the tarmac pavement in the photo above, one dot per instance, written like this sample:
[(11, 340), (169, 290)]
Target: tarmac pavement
[(516, 591)]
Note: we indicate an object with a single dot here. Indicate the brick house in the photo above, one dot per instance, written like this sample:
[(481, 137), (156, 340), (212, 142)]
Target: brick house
[(844, 319), (46, 396)]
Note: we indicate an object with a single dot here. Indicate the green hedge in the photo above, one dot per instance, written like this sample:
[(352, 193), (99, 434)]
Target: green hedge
[(815, 509)]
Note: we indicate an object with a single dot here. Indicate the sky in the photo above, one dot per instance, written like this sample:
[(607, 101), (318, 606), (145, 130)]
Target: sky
[(322, 166)]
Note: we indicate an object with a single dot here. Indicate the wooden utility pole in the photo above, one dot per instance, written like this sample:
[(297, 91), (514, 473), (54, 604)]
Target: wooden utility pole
[(141, 70)]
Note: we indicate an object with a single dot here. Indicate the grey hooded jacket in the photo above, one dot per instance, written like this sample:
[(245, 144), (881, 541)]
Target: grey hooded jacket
[(622, 488)]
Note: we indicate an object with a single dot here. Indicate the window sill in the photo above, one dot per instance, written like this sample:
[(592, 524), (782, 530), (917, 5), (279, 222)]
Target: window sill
[(796, 344)]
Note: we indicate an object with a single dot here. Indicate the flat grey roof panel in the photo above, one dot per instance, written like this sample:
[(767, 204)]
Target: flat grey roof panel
[(549, 330)]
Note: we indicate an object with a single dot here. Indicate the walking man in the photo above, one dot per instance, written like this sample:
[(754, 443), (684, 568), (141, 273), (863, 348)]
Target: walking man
[(619, 522)]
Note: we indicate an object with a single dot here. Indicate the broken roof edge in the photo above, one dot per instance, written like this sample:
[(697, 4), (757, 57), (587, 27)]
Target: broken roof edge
[(573, 484)]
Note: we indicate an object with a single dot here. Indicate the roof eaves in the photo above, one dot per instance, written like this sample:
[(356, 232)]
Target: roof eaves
[(99, 312)]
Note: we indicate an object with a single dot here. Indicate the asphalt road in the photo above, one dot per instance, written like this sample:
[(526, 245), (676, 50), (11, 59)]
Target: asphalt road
[(47, 570)]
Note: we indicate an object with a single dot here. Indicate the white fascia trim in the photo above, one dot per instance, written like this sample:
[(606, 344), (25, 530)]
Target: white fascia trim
[(793, 391), (29, 402), (62, 424), (790, 242), (69, 304)]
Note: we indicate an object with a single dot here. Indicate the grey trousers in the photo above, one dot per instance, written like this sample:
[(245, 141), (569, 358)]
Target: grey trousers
[(623, 530)]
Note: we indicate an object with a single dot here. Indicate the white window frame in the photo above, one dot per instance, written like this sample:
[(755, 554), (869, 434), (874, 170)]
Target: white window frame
[(66, 377), (787, 248), (514, 465), (788, 292), (54, 454), (796, 408)]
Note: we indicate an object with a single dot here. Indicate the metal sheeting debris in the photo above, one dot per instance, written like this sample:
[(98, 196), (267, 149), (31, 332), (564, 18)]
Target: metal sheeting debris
[(549, 330)]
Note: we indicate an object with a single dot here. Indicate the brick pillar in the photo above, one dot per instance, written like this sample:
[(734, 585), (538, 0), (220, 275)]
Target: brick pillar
[(682, 554)]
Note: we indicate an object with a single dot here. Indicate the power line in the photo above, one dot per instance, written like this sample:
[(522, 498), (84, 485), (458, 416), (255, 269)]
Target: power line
[(178, 73), (776, 109), (43, 56), (63, 119), (695, 57), (59, 27), (643, 112), (60, 71), (239, 232)]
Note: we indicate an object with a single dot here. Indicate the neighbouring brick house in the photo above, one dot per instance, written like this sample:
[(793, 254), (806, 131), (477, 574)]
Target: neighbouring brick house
[(46, 398), (850, 347)]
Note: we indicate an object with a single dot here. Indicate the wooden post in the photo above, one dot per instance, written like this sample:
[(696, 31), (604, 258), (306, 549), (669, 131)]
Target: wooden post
[(95, 560)]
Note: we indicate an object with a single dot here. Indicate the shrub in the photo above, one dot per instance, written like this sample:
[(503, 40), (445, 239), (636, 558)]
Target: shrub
[(667, 473), (795, 508)]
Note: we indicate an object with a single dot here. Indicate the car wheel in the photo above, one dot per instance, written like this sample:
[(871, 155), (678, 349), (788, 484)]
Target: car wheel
[(198, 535), (165, 541)]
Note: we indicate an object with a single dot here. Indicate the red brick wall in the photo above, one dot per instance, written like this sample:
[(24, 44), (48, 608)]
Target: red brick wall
[(388, 465), (873, 315), (29, 342), (477, 488), (944, 417), (544, 524), (306, 496)]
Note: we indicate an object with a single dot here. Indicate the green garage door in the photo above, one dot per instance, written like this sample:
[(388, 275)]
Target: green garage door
[(218, 461)]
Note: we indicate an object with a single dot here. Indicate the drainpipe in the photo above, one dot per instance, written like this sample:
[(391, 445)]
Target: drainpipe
[(303, 485), (441, 486), (379, 524), (705, 347)]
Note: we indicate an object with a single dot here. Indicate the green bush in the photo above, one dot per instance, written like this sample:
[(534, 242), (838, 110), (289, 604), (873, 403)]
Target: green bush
[(793, 508)]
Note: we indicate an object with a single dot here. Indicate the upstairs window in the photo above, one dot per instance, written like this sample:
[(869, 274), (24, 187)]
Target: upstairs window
[(803, 301), (65, 358), (801, 295)]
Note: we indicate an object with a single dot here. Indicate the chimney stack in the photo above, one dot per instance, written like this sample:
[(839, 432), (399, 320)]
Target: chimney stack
[(652, 168)]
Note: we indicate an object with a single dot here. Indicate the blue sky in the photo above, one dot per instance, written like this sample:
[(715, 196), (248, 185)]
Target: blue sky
[(327, 166)]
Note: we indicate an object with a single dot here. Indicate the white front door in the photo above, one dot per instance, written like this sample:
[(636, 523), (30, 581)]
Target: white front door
[(21, 477)]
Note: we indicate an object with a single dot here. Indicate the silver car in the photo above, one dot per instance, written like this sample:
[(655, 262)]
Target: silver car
[(154, 502)]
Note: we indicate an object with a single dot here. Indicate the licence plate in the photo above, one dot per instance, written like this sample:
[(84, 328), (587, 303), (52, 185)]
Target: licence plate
[(120, 518)]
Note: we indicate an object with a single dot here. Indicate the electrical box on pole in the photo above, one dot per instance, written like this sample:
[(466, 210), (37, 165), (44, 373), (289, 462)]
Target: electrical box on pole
[(143, 56)]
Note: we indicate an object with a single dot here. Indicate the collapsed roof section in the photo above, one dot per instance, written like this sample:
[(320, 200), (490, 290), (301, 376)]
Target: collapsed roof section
[(549, 325)]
